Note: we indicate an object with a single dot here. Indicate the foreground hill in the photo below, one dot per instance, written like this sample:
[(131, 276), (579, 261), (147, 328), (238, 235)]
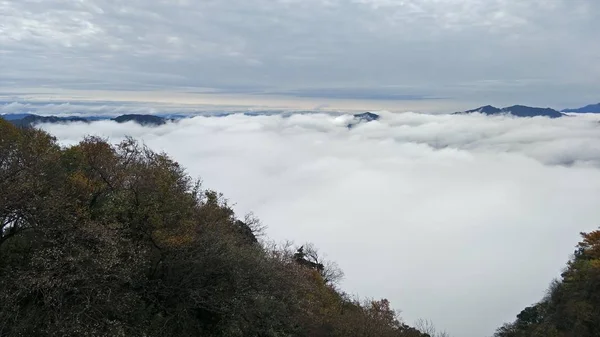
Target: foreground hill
[(103, 240), (516, 110), (571, 307)]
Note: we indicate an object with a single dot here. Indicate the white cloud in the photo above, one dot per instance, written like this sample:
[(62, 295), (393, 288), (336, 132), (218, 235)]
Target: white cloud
[(461, 219)]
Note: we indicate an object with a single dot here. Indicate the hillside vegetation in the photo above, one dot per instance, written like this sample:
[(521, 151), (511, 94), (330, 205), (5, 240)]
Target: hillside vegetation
[(117, 240), (571, 307)]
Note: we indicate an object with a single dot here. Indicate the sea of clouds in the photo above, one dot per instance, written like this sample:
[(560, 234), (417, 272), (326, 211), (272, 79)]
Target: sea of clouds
[(461, 219)]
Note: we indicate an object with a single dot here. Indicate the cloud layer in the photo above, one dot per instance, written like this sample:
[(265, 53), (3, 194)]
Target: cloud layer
[(460, 219), (500, 51)]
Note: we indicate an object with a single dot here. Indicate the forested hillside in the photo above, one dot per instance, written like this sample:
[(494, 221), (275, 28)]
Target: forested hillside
[(116, 240), (571, 307)]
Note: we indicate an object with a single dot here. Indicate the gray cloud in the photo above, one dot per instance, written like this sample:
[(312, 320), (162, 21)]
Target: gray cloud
[(109, 108), (461, 219), (355, 93), (502, 51)]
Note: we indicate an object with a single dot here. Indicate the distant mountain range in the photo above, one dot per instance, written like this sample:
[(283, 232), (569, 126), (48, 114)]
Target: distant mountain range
[(29, 120), (515, 110), (592, 108)]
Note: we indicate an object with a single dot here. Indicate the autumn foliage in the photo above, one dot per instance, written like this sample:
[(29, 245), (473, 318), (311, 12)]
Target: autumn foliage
[(572, 305), (117, 240)]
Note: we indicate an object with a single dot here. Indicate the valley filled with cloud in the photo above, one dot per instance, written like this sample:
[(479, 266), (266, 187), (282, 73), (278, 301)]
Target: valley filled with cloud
[(461, 219)]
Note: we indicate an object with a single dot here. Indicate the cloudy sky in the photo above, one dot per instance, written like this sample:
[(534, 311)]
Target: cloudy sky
[(426, 55), (463, 220)]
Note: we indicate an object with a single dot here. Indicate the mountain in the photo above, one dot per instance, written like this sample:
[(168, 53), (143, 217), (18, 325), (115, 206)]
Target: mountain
[(525, 111), (29, 120), (488, 110), (367, 117), (592, 108), (362, 118), (146, 120), (516, 110), (12, 117)]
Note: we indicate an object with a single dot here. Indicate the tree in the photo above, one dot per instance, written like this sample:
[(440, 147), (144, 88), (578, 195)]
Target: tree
[(117, 240), (27, 177), (308, 256), (571, 307), (428, 328)]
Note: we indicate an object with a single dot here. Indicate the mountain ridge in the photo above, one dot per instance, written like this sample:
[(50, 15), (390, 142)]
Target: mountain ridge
[(30, 120), (515, 110), (590, 108)]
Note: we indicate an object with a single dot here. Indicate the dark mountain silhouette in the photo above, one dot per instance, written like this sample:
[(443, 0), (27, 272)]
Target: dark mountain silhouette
[(363, 118), (141, 119), (488, 110), (10, 117), (29, 120), (525, 111), (592, 108), (516, 110), (367, 116)]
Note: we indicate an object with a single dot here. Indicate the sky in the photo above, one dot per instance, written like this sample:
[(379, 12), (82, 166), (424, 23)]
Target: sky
[(460, 219), (399, 55)]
